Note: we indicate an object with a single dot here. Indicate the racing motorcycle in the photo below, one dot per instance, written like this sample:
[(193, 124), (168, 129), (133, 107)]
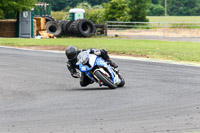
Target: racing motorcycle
[(99, 70)]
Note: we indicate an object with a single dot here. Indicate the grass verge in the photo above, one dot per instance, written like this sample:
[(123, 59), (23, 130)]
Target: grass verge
[(177, 51)]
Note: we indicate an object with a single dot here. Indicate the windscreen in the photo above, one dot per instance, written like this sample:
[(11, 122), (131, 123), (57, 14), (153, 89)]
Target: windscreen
[(82, 57)]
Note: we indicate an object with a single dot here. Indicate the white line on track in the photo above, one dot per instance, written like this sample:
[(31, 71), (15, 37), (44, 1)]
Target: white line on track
[(121, 57)]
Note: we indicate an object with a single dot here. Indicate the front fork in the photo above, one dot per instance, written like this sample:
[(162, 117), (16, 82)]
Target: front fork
[(117, 79), (104, 72)]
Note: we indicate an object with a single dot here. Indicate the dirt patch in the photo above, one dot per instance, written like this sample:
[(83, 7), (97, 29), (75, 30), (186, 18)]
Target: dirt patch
[(167, 32), (131, 55), (56, 48), (62, 48)]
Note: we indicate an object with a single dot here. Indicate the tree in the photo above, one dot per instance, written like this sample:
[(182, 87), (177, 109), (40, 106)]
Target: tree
[(156, 1), (1, 14), (116, 10), (138, 10), (97, 7), (156, 10), (183, 7), (197, 9), (84, 5), (8, 7), (177, 7), (97, 2), (58, 5), (97, 16)]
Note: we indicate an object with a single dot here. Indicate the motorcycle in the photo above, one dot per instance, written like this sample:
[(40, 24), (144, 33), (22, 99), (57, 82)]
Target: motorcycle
[(99, 70)]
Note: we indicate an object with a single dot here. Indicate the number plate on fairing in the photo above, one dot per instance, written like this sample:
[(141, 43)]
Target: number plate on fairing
[(83, 69), (92, 58)]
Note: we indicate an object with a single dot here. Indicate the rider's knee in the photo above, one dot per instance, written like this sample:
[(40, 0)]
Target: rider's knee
[(83, 84)]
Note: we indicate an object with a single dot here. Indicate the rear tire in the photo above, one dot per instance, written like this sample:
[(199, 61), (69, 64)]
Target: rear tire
[(105, 79)]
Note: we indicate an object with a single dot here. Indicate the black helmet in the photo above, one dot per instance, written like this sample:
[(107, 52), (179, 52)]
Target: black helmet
[(71, 52)]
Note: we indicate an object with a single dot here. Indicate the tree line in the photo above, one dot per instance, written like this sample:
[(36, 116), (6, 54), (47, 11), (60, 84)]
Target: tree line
[(155, 8), (58, 5), (135, 7), (174, 8), (8, 8)]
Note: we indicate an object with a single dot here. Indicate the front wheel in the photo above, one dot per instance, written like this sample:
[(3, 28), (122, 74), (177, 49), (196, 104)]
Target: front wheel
[(103, 78), (122, 81)]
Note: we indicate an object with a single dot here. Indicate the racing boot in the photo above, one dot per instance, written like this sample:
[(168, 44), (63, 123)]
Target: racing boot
[(113, 64), (85, 81)]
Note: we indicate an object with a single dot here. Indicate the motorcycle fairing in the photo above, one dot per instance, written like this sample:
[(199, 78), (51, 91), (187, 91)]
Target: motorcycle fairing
[(86, 68), (102, 63), (93, 61)]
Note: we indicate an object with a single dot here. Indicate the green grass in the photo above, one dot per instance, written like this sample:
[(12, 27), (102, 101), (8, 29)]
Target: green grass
[(174, 18), (178, 51), (60, 15)]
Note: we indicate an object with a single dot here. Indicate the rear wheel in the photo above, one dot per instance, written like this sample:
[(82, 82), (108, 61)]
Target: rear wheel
[(103, 78)]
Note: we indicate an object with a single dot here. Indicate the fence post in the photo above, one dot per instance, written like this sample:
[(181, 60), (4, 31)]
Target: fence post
[(106, 28), (163, 29)]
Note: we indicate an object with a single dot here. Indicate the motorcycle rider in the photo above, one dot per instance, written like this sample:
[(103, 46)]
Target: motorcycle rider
[(71, 52)]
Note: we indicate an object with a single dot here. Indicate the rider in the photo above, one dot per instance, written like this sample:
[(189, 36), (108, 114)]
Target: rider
[(71, 52)]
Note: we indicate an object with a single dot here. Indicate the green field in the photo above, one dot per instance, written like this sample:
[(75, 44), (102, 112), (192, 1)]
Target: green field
[(174, 18), (178, 51), (60, 15)]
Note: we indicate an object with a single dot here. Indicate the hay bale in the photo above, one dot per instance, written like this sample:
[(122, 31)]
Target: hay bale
[(34, 27), (46, 35), (40, 22), (8, 28)]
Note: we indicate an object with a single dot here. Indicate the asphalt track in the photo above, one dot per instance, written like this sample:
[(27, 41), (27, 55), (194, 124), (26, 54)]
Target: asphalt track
[(38, 95)]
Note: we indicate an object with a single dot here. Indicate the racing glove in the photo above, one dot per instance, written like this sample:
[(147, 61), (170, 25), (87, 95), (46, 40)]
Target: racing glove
[(96, 51), (73, 71)]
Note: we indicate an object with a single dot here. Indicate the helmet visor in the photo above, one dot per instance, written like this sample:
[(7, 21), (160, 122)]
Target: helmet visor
[(71, 56)]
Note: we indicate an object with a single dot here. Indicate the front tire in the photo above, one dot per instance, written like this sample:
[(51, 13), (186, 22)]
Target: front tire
[(122, 81), (105, 79)]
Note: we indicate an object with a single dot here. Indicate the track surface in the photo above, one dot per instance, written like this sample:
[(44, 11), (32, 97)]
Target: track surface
[(38, 95)]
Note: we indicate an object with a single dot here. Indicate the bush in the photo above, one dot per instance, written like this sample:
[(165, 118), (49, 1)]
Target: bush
[(1, 14), (156, 10), (84, 5), (95, 15), (138, 10), (116, 10), (61, 15)]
